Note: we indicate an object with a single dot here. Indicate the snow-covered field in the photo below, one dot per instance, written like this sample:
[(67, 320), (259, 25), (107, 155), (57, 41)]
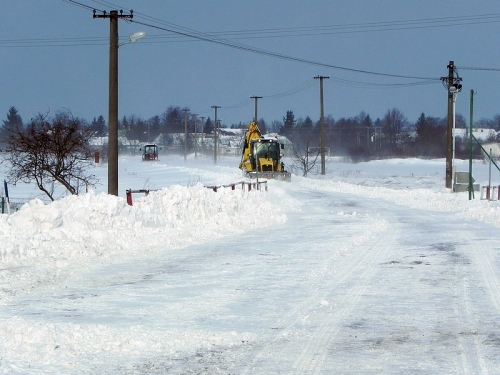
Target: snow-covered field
[(373, 268)]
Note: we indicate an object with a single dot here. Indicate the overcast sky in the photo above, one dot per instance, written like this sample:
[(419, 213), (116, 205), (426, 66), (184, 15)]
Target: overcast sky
[(55, 56)]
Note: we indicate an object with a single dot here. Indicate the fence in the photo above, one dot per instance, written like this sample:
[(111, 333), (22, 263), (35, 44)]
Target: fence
[(246, 186)]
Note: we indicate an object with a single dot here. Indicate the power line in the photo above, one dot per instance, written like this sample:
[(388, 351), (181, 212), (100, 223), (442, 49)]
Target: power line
[(355, 28), (208, 38), (55, 42), (204, 37), (246, 48), (299, 88), (74, 2), (484, 69)]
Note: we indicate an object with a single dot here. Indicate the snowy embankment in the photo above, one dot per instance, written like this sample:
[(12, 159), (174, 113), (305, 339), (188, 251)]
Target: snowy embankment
[(47, 242), (99, 225), (425, 199), (412, 183)]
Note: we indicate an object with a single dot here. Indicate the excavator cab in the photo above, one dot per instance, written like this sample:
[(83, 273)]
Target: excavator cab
[(267, 155)]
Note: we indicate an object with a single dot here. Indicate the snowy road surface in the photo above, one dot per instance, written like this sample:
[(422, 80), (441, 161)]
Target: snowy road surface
[(355, 273)]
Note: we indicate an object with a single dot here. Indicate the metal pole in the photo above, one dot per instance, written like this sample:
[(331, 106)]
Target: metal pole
[(453, 134), (471, 186), (113, 105)]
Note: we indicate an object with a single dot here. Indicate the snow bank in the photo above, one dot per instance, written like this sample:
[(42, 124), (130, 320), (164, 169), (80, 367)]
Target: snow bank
[(66, 347), (99, 225), (442, 200)]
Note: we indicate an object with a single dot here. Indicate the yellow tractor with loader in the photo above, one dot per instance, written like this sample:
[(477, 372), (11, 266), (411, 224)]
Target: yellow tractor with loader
[(261, 156)]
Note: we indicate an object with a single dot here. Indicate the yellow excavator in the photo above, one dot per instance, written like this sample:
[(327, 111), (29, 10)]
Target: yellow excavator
[(261, 156)]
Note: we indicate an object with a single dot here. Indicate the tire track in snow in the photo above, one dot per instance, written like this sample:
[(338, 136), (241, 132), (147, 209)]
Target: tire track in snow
[(315, 353), (472, 357), (470, 353), (362, 261), (490, 277)]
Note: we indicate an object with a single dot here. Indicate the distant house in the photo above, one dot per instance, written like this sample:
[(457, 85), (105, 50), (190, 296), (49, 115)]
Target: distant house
[(481, 134), (494, 148), (124, 144)]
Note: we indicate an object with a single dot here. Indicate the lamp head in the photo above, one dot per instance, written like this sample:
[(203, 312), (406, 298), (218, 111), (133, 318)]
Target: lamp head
[(135, 36)]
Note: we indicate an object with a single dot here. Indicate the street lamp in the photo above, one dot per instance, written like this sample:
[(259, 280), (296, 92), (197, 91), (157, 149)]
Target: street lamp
[(133, 38)]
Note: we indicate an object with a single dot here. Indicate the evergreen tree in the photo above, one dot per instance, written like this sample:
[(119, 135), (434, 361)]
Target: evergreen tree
[(99, 127), (209, 126), (13, 123), (262, 126), (173, 120), (288, 122)]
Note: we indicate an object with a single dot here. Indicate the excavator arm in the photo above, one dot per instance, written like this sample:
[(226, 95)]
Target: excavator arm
[(253, 132)]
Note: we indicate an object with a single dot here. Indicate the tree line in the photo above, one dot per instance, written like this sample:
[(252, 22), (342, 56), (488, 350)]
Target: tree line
[(56, 149), (359, 137), (362, 138)]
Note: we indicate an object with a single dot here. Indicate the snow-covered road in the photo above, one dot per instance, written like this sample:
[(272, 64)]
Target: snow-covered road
[(358, 279)]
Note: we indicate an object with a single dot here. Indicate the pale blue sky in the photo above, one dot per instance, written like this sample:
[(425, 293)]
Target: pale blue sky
[(54, 56)]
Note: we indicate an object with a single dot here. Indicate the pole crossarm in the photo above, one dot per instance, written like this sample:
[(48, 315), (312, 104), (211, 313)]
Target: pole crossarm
[(113, 14)]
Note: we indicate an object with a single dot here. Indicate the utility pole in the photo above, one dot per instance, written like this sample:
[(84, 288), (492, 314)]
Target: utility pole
[(452, 84), (185, 110), (255, 118), (322, 122), (113, 16), (202, 132), (195, 135), (216, 133), (471, 123)]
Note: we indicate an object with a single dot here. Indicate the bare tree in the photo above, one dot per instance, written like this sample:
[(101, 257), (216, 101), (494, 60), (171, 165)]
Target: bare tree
[(50, 151), (305, 153), (393, 124)]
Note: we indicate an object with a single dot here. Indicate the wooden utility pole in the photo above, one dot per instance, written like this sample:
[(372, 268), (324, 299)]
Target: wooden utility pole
[(449, 129), (113, 16), (195, 135), (216, 134), (185, 110), (453, 85), (322, 122), (202, 132), (255, 118)]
